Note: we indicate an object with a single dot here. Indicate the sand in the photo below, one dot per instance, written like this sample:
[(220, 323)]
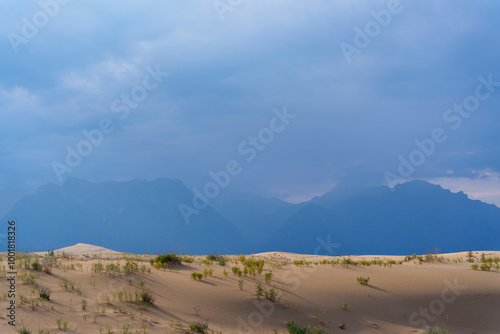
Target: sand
[(402, 298)]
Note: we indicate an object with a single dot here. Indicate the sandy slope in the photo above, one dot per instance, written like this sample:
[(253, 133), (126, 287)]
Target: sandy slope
[(82, 249), (468, 301)]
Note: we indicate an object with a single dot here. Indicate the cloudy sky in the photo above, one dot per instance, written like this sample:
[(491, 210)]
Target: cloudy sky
[(367, 92)]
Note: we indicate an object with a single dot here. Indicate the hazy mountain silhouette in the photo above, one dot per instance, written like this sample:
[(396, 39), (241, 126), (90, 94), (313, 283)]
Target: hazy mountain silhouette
[(412, 217), (143, 216), (134, 216), (256, 217)]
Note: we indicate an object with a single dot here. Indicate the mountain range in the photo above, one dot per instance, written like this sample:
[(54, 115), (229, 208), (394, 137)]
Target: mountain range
[(141, 216)]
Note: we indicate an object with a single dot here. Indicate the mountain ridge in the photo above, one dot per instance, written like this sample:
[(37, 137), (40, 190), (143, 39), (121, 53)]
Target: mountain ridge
[(141, 216)]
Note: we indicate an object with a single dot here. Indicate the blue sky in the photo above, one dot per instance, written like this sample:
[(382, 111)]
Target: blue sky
[(65, 63)]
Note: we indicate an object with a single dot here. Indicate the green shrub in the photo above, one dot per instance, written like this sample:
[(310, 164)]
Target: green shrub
[(64, 283), (37, 265), (436, 330), (167, 259), (198, 326), (147, 298), (187, 259), (23, 330), (268, 276), (48, 262), (44, 293), (130, 267), (113, 269), (302, 262), (28, 278), (207, 262), (410, 257), (295, 329), (222, 262), (271, 295), (253, 264), (485, 266), (215, 257), (97, 267), (196, 276), (207, 272), (258, 289), (363, 280), (474, 266), (470, 257)]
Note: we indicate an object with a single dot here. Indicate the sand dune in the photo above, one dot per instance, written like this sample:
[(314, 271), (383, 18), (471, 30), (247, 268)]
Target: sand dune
[(399, 298), (82, 249)]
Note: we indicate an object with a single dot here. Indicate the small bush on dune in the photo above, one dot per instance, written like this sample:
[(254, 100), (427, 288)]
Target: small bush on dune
[(271, 295), (302, 262), (48, 262), (295, 329), (187, 259), (196, 276), (198, 326), (253, 264), (485, 266), (215, 257), (97, 267), (470, 257), (436, 330), (23, 330), (165, 260), (207, 262), (36, 265), (28, 279), (147, 298), (363, 280), (44, 293), (207, 272), (168, 258), (268, 276), (258, 289)]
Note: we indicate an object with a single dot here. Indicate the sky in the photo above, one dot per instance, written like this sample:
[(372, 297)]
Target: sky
[(305, 96)]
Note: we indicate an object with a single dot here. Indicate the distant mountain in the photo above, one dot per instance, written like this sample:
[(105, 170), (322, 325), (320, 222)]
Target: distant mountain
[(256, 217), (412, 217), (134, 216), (143, 216)]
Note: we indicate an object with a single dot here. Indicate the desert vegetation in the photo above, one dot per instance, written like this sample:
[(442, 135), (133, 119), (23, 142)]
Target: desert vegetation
[(95, 291)]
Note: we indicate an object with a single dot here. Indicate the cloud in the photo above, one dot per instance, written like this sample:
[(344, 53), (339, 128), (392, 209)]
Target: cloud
[(484, 185), (353, 122)]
